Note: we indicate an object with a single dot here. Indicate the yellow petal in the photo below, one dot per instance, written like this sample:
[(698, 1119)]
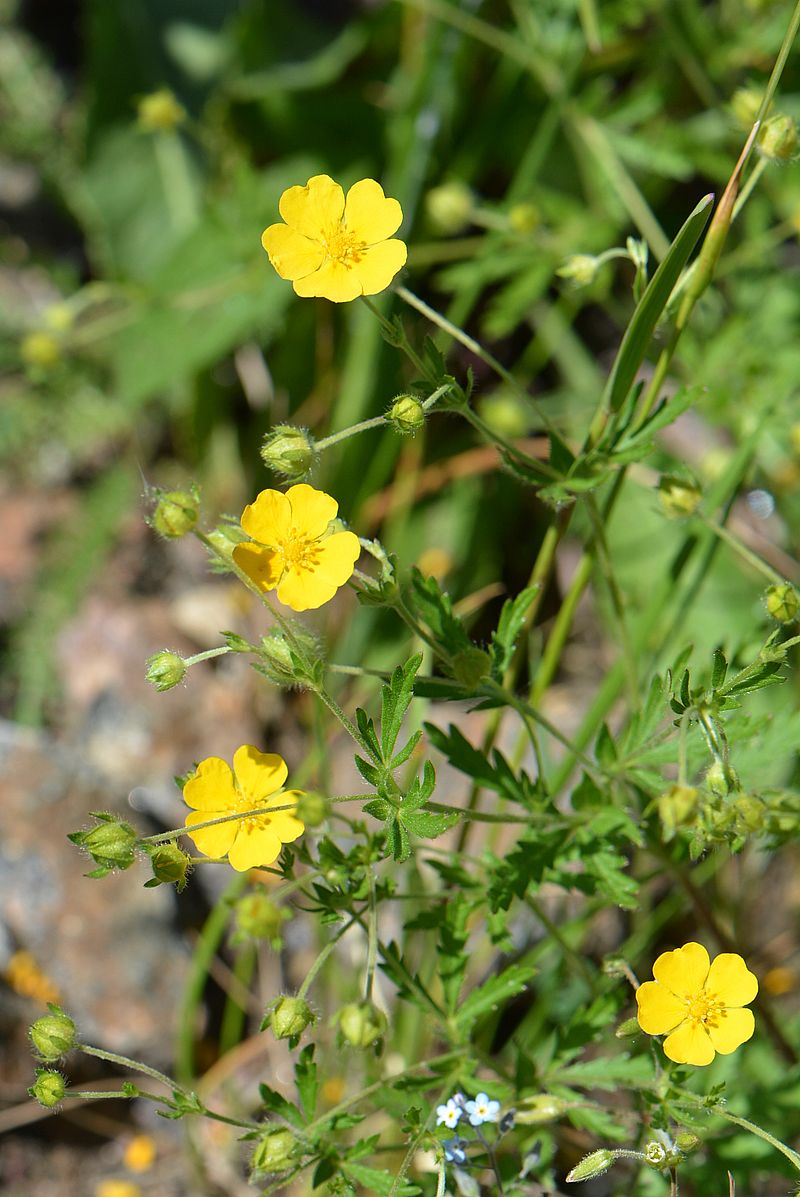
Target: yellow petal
[(733, 1029), (292, 254), (303, 591), (659, 1010), (269, 519), (259, 774), (312, 510), (369, 214), (731, 981), (211, 788), (212, 841), (377, 266), (333, 281), (306, 589), (254, 845), (689, 1044), (314, 210), (683, 971), (262, 566), (337, 556)]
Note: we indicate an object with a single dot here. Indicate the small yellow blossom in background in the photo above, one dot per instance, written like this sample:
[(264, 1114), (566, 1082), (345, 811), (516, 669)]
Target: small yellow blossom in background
[(255, 781), (160, 111), (778, 981), (117, 1188), (333, 247), (293, 548), (26, 978), (698, 1004), (140, 1153), (40, 349)]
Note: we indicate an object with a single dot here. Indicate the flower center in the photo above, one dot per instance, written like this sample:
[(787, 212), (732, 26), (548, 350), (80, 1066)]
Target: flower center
[(300, 552), (343, 246), (704, 1009)]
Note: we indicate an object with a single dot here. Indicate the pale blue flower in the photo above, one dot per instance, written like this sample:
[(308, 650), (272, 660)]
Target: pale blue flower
[(482, 1110), (449, 1115)]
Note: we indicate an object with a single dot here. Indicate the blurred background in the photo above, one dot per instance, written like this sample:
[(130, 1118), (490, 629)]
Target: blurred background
[(146, 342)]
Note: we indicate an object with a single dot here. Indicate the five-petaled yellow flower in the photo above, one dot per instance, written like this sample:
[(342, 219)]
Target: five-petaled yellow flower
[(334, 247), (215, 790), (698, 1004), (293, 548)]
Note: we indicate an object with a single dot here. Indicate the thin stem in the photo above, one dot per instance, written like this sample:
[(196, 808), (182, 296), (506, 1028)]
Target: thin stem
[(323, 956), (347, 723), (207, 655), (363, 426), (746, 554), (134, 1065), (372, 937)]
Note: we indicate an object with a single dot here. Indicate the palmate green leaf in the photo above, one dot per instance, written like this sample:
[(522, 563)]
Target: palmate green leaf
[(435, 608), (492, 993), (640, 330), (305, 1075), (276, 1103), (496, 775), (396, 697)]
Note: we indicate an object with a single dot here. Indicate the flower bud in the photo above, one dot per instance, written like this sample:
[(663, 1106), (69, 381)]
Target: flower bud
[(592, 1165), (288, 1017), (745, 105), (524, 218), (471, 666), (540, 1108), (778, 139), (721, 780), (275, 1151), (656, 1154), (288, 451), (312, 809), (258, 917), (160, 110), (176, 513), (53, 1035), (165, 670), (678, 497), (40, 350), (406, 415), (290, 663), (59, 317), (361, 1024), (628, 1028), (506, 413), (676, 808), (449, 206), (686, 1142), (749, 814), (579, 269), (783, 603), (48, 1088), (170, 866), (110, 844)]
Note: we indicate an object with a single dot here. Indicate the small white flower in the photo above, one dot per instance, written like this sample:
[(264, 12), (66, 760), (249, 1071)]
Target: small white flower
[(449, 1114), (482, 1110)]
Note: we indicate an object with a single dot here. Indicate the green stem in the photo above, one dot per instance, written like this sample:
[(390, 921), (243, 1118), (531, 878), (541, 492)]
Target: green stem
[(323, 956), (207, 655), (363, 426), (742, 550), (134, 1065), (792, 1156), (372, 940)]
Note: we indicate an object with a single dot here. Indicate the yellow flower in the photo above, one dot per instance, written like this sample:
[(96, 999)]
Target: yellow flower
[(292, 548), (140, 1153), (255, 782), (699, 1003), (335, 248)]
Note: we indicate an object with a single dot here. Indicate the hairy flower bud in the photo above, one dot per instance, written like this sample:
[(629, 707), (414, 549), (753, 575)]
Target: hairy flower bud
[(783, 603), (160, 110), (258, 917), (676, 808), (288, 451), (170, 866), (628, 1028), (539, 1109), (745, 104), (678, 497), (686, 1142), (294, 662), (778, 139), (275, 1150), (580, 269), (48, 1088), (449, 206), (592, 1165), (54, 1034), (471, 666), (288, 1017), (361, 1024), (312, 809), (111, 843), (176, 513), (406, 415), (165, 670)]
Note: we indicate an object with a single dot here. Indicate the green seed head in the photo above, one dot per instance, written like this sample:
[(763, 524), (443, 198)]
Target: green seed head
[(288, 1017), (783, 603), (165, 670), (176, 513), (288, 451), (48, 1088), (406, 415), (53, 1035)]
